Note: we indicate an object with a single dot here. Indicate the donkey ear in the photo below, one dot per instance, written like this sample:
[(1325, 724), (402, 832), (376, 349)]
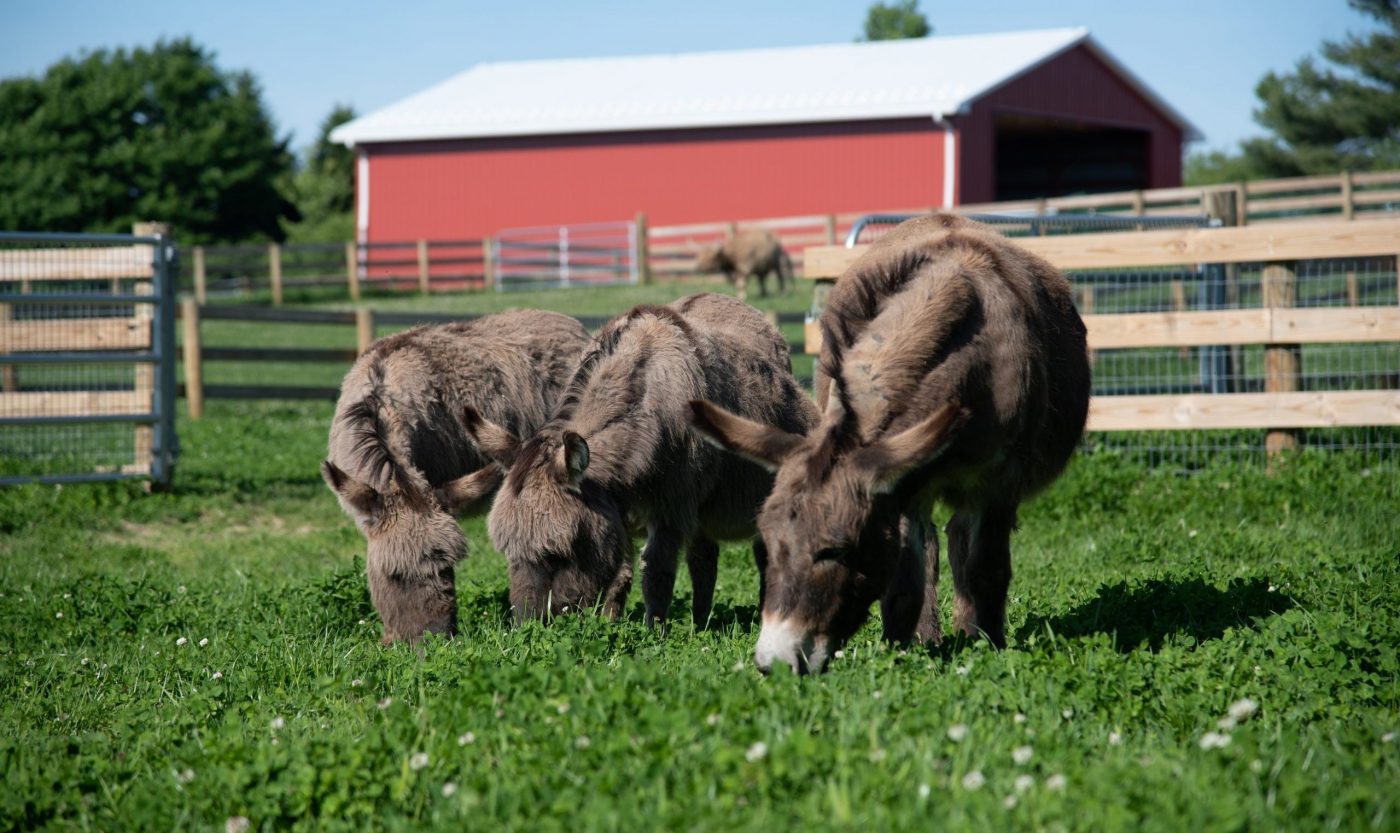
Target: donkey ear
[(762, 444), (573, 457), (466, 494), (494, 441), (888, 460), (357, 495)]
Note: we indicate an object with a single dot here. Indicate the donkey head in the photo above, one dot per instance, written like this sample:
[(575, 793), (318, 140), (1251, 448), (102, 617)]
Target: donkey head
[(831, 523), (563, 535), (413, 542), (710, 259)]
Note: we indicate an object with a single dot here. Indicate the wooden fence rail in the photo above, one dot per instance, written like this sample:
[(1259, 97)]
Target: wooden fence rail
[(1278, 325)]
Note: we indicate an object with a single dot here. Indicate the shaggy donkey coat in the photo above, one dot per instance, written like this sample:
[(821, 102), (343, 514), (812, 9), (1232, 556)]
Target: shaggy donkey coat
[(953, 368), (619, 453), (753, 253), (400, 461)]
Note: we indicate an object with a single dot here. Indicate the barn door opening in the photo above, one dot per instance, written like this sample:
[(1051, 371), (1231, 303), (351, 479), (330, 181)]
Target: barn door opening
[(1039, 157)]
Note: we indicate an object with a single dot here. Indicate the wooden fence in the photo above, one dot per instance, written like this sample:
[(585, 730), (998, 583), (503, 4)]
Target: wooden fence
[(367, 323), (1278, 326)]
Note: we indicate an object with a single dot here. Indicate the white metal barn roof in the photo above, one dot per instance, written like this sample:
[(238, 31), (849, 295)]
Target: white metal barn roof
[(935, 77)]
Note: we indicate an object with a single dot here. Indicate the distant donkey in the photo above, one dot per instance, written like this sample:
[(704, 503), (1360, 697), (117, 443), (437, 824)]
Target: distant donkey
[(749, 254), (401, 463), (953, 367), (618, 453)]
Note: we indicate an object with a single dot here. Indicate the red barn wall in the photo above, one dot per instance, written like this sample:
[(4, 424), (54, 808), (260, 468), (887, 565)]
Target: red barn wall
[(472, 188), (1074, 86)]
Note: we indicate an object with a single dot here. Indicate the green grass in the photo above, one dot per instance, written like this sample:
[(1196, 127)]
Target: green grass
[(1145, 604)]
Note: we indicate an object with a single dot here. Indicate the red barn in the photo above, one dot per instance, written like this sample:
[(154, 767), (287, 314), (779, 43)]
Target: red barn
[(762, 133)]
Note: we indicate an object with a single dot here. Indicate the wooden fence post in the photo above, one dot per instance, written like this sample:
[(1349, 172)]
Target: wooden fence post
[(643, 250), (1241, 204), (193, 356), (364, 329), (1282, 362), (488, 263), (9, 379), (200, 289), (423, 266), (352, 269), (274, 266), (829, 229), (1348, 198), (1227, 206), (731, 229)]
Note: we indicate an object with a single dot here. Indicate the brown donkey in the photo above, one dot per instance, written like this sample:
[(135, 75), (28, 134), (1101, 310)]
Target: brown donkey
[(953, 367), (749, 254), (401, 463), (619, 453)]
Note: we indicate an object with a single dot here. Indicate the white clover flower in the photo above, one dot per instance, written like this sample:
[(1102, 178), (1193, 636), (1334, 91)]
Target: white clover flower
[(712, 719), (217, 675), (957, 732), (1024, 782), (58, 615), (237, 824), (385, 703), (739, 666), (877, 755), (1256, 765), (877, 694), (1191, 534), (924, 790), (974, 780), (756, 753), (838, 654), (466, 739), (185, 775), (1018, 718), (181, 642), (204, 642), (1387, 737), (1115, 739), (83, 661), (582, 742), (278, 723), (1021, 754), (1067, 713), (563, 708), (1056, 782), (1243, 709), (181, 589), (363, 622), (356, 683), (1225, 723), (1214, 740), (962, 670), (1009, 802), (418, 761), (449, 789)]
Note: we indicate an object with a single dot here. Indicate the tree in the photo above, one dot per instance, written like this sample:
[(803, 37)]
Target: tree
[(1340, 113), (896, 20), (114, 137), (325, 185)]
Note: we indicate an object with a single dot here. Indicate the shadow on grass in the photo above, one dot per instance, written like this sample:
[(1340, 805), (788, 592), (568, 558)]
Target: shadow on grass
[(1146, 615)]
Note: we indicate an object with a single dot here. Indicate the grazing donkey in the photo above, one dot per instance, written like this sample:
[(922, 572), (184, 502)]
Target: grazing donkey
[(401, 463), (953, 367), (618, 453), (749, 254)]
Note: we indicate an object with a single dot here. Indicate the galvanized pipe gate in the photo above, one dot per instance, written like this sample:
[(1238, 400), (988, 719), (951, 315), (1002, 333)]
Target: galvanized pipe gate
[(87, 357)]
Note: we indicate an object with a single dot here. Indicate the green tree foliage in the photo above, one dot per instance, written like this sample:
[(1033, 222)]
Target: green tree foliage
[(116, 136), (325, 185), (896, 20), (1342, 112)]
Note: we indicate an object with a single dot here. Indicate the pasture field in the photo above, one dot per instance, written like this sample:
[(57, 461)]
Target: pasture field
[(182, 661)]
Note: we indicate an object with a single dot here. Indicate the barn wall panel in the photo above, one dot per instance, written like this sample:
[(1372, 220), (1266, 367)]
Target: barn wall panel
[(471, 188), (1074, 86)]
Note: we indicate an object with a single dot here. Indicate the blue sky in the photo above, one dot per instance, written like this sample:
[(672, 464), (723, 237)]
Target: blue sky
[(1203, 56)]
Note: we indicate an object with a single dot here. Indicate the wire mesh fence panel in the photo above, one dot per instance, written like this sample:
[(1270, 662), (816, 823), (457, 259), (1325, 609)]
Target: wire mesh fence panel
[(592, 254), (872, 227), (86, 357)]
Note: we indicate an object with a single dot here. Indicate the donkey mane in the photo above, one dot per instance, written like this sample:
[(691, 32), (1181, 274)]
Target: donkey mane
[(377, 443)]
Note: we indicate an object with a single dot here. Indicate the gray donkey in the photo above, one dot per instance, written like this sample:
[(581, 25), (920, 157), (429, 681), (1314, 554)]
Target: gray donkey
[(401, 463), (953, 367), (618, 453), (753, 253)]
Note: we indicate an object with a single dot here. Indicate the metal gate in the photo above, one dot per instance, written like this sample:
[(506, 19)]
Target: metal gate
[(543, 257), (87, 357)]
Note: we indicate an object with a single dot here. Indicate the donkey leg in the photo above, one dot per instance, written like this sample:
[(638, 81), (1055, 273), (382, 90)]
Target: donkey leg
[(702, 559), (615, 599), (741, 285), (929, 629), (902, 606), (659, 573), (979, 550)]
